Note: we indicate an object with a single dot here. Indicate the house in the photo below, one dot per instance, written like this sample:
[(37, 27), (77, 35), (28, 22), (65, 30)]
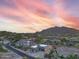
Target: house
[(39, 51), (6, 41), (52, 41), (24, 43), (72, 41), (40, 47)]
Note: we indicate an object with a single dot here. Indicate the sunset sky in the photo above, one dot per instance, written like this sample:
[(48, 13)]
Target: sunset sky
[(36, 15)]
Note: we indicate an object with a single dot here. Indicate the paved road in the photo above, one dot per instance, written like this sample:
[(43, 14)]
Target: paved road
[(18, 52)]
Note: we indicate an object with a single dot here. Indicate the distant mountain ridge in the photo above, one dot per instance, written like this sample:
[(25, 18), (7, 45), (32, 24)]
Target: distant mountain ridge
[(59, 31), (54, 31)]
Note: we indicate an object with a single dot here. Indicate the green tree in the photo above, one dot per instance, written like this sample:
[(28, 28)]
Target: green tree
[(29, 36), (17, 38), (63, 40), (39, 40), (53, 54), (49, 42), (74, 56), (38, 58), (61, 57), (2, 49), (25, 57)]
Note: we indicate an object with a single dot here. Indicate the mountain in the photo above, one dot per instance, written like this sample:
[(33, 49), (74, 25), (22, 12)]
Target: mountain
[(59, 31), (50, 32)]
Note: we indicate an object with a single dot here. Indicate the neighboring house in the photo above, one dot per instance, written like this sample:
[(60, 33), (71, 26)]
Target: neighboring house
[(53, 41), (40, 47), (39, 51), (24, 42), (6, 41), (72, 41), (75, 40), (0, 42)]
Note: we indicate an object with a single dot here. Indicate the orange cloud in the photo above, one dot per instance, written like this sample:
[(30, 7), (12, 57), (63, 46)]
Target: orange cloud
[(30, 13), (35, 15)]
